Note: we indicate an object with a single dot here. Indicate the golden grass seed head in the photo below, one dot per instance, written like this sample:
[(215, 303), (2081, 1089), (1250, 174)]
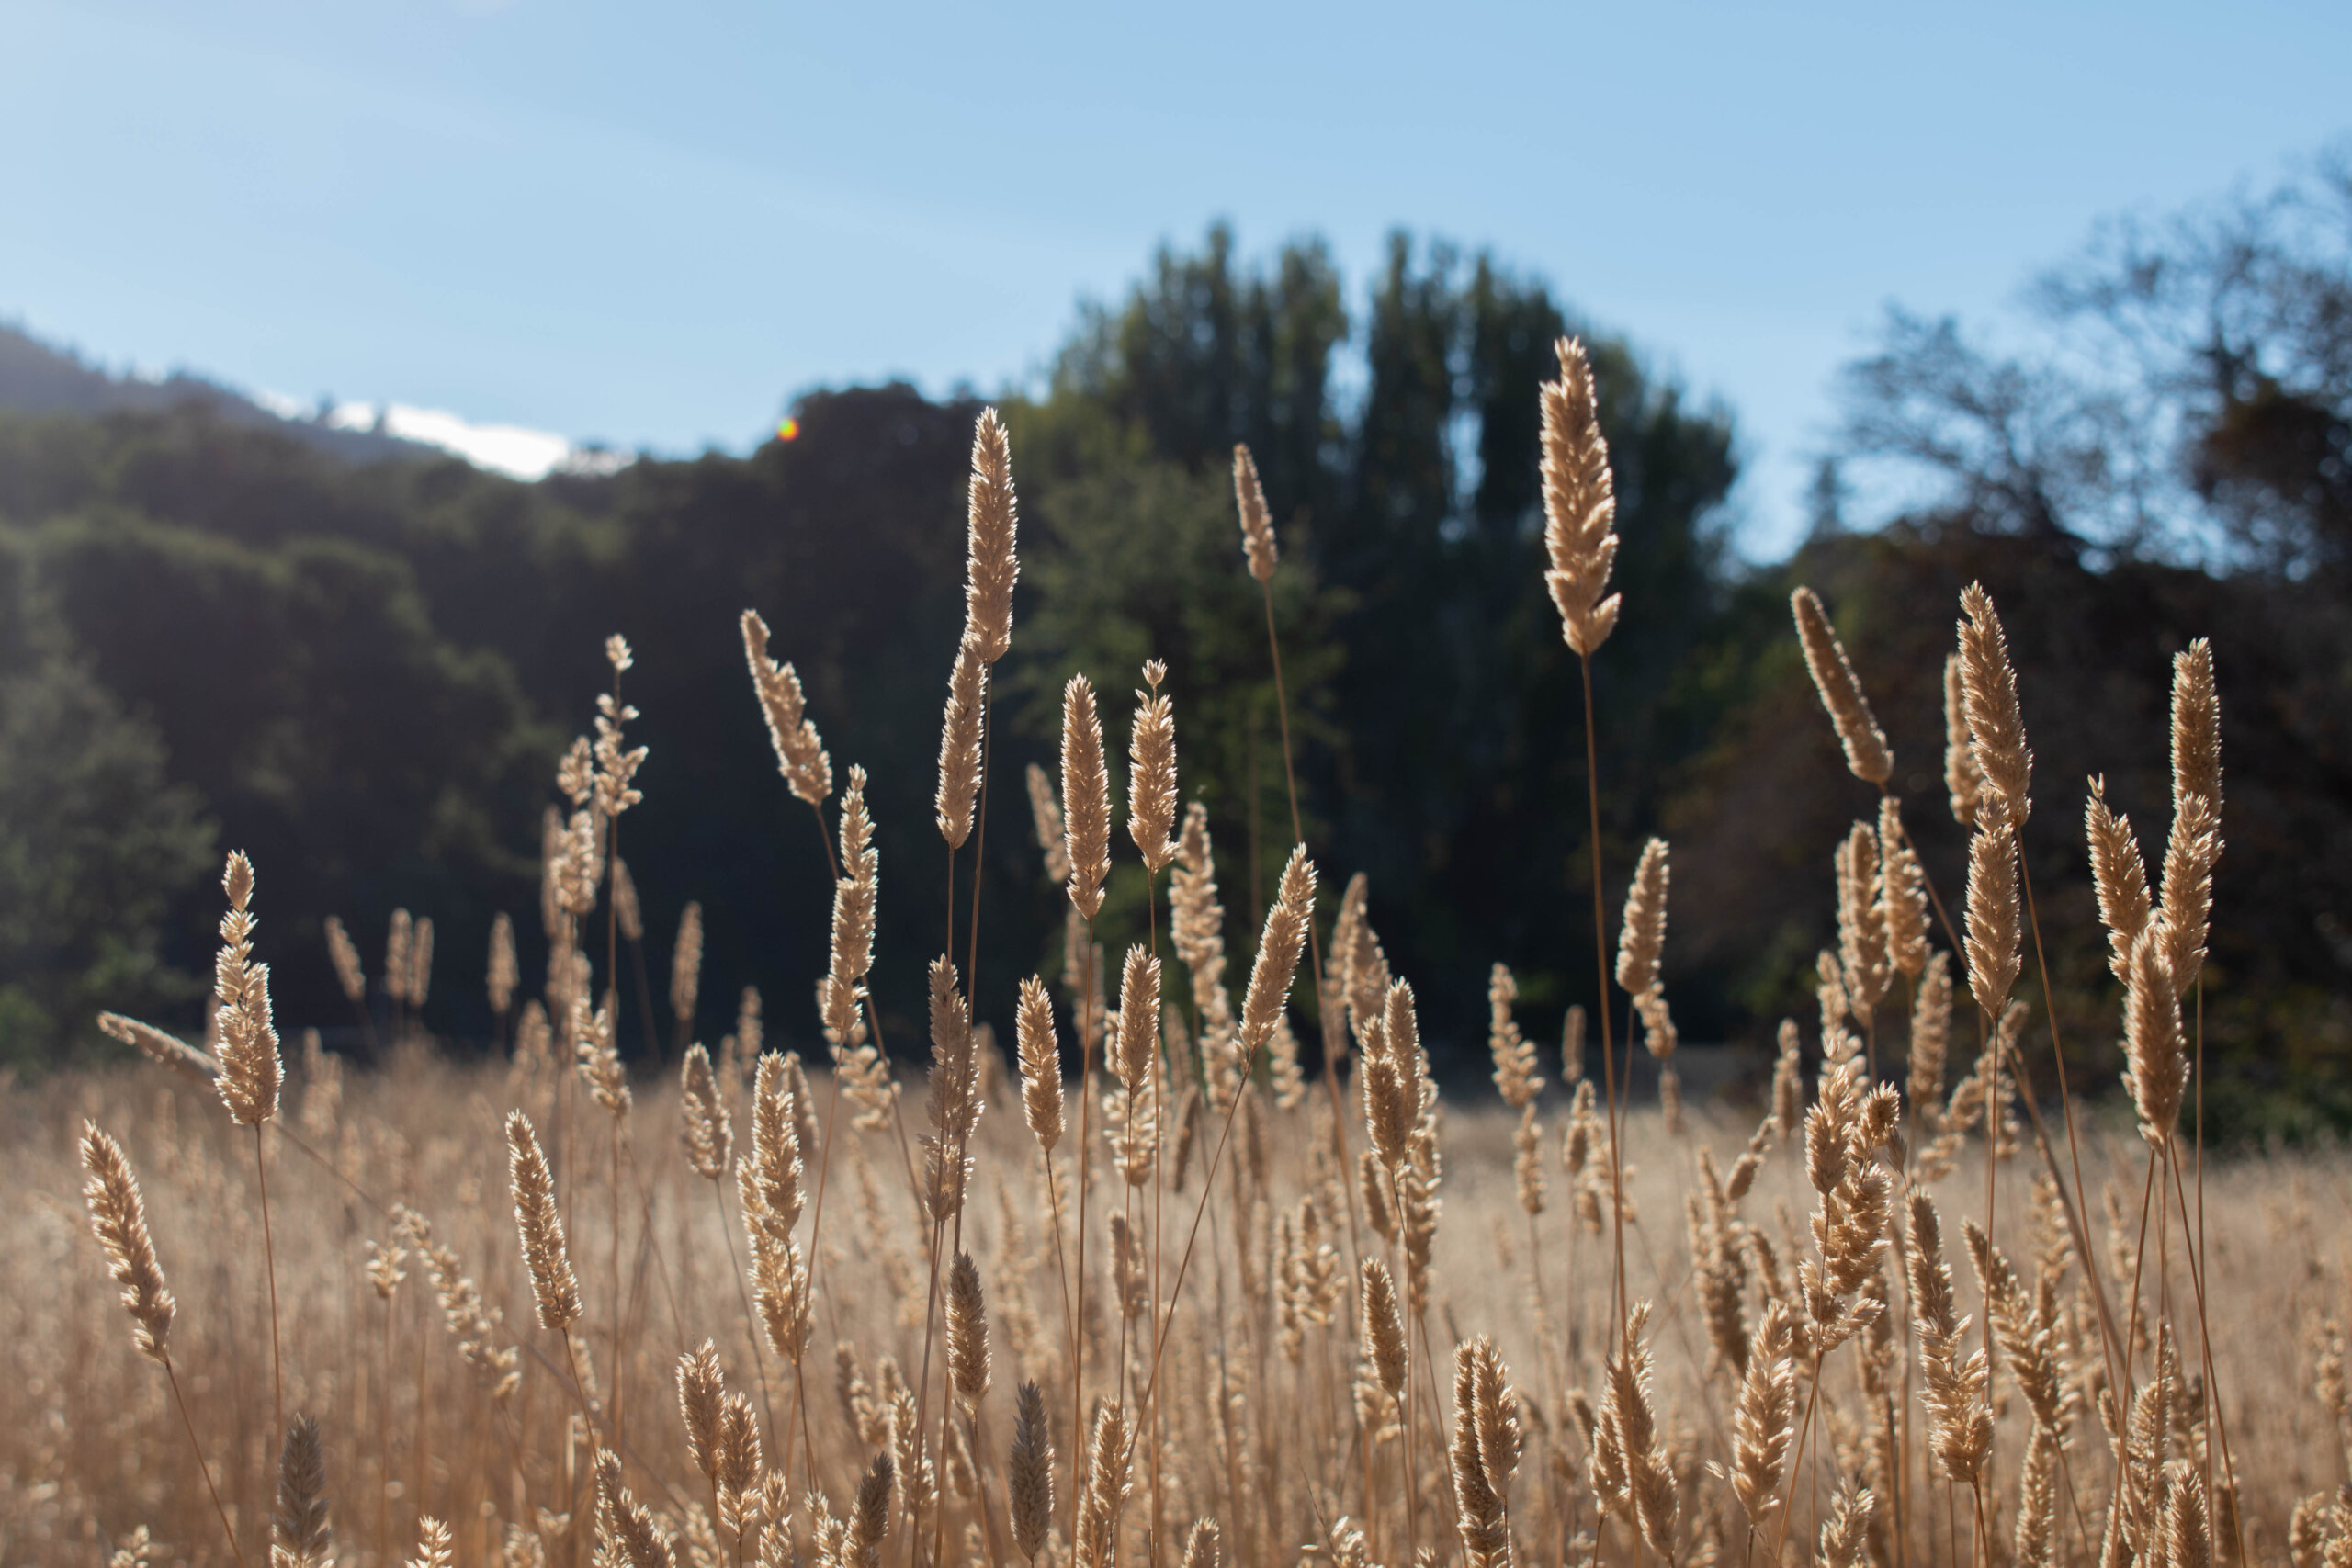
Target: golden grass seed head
[(1278, 949), (346, 954), (968, 1330), (1866, 750), (960, 744), (1201, 1545), (1903, 893), (1151, 779), (302, 1538), (799, 753), (2196, 726), (1045, 811), (1995, 930), (433, 1548), (504, 972), (1643, 935), (1962, 781), (685, 966), (1029, 1473), (166, 1050), (1513, 1053), (1257, 524), (2119, 875), (251, 1068), (1843, 1533), (992, 563), (1580, 504), (705, 1129), (1041, 1064), (2155, 1055), (556, 1292), (1086, 798), (702, 1394), (1995, 725), (1383, 1326), (629, 912), (1138, 1032), (118, 1215), (2190, 852)]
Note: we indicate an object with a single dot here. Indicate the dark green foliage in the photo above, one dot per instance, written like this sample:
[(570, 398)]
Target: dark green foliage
[(98, 838)]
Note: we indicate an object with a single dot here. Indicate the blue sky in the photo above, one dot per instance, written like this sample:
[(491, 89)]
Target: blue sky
[(649, 224)]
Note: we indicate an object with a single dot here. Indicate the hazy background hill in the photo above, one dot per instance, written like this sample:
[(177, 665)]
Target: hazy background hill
[(357, 659)]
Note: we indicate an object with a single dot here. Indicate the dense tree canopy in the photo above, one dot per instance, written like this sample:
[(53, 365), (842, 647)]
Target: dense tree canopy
[(362, 675)]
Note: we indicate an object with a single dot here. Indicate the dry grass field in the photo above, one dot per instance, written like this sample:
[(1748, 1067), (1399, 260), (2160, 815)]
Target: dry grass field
[(1135, 1287)]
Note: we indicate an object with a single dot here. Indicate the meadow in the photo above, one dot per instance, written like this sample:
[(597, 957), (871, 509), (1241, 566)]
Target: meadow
[(1155, 1282)]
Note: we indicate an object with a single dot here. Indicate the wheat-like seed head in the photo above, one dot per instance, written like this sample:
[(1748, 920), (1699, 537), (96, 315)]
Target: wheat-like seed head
[(704, 1128), (1995, 726), (1903, 893), (1257, 525), (1643, 935), (2029, 1344), (558, 1293), (1861, 921), (1138, 1032), (953, 1103), (2157, 1057), (1029, 1474), (346, 954), (799, 753), (1383, 1326), (1107, 1486), (1764, 1421), (870, 1516), (1995, 930), (168, 1050), (420, 959), (251, 1069), (625, 1528), (685, 966), (1513, 1053), (2118, 874), (1045, 811), (960, 744), (2037, 1521), (779, 1284), (2196, 726), (1842, 1534), (2190, 852), (992, 523), (629, 913), (432, 1545), (1479, 1479), (852, 935), (968, 1330), (1278, 949), (397, 936), (505, 972), (702, 1394), (1650, 1488), (1086, 798), (1201, 1547), (302, 1537), (1930, 1037), (777, 1140), (1580, 504), (1041, 1064), (1962, 781), (1151, 779), (1841, 693), (118, 1215)]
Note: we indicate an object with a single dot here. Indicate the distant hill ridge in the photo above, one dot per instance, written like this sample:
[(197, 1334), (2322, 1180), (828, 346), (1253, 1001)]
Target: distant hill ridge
[(37, 378)]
